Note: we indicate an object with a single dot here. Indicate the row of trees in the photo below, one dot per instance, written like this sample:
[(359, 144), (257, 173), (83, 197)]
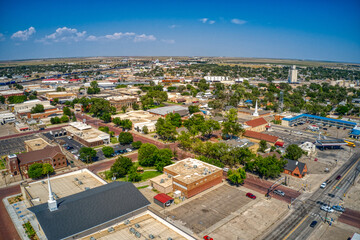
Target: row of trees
[(149, 155), (57, 120)]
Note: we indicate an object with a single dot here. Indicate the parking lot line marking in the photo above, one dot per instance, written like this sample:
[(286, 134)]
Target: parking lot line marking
[(345, 174), (296, 227)]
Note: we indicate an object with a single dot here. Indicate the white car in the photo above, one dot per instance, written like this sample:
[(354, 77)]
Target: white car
[(129, 149), (323, 185), (327, 209)]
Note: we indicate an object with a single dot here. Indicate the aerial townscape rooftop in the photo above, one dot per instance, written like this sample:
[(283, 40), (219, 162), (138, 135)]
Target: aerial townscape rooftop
[(197, 120)]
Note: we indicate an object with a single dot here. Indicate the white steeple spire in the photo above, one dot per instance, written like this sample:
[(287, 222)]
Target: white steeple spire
[(256, 114), (51, 202)]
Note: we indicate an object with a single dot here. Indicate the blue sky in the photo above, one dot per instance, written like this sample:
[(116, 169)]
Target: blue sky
[(317, 30)]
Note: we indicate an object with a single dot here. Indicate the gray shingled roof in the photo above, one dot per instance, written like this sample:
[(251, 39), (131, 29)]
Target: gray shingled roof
[(169, 109), (291, 165), (88, 209)]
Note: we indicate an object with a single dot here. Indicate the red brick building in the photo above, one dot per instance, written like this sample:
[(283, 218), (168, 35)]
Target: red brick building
[(192, 176), (19, 164), (295, 168)]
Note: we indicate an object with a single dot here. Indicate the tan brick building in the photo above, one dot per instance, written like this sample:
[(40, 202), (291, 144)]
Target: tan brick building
[(120, 101), (35, 144), (192, 176)]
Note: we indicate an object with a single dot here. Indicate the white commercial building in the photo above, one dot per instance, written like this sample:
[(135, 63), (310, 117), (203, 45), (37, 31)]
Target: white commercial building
[(293, 74), (216, 78), (28, 105), (7, 118)]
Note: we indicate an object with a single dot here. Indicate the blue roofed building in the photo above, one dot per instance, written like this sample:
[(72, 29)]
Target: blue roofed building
[(291, 121)]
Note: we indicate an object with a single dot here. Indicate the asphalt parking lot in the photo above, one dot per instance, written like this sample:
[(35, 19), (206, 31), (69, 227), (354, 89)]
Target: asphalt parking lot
[(203, 212), (77, 146), (14, 145)]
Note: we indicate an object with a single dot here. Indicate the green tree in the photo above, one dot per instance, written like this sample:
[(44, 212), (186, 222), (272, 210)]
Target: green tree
[(47, 168), (293, 152), (126, 124), (64, 119), (125, 138), (165, 129), (237, 176), (174, 119), (38, 108), (67, 111), (104, 129), (231, 126), (342, 110), (121, 167), (123, 108), (193, 109), (117, 121), (108, 151), (136, 144), (55, 120), (35, 170), (2, 99), (16, 99), (106, 117), (134, 176), (135, 106), (263, 146), (145, 130), (87, 154), (145, 154)]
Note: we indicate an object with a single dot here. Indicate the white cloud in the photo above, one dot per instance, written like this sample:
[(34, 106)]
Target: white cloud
[(24, 35), (2, 37), (144, 38), (238, 21), (65, 34), (168, 41), (119, 35), (211, 22), (128, 35), (173, 26), (204, 20)]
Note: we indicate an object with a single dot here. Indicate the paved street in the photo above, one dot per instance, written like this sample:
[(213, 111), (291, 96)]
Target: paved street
[(296, 226)]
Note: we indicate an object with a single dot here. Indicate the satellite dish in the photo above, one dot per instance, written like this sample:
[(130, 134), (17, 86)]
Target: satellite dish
[(84, 120)]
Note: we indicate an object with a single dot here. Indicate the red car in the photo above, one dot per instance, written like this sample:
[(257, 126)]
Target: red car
[(250, 195), (208, 238), (338, 177)]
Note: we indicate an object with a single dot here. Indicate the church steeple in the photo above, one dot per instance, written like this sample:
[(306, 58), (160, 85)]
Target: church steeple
[(52, 204), (256, 114)]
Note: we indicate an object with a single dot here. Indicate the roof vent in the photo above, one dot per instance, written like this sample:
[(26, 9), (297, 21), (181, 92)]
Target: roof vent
[(132, 230), (151, 236), (195, 166), (111, 229), (80, 183), (137, 225), (162, 180), (92, 238), (127, 222), (138, 235)]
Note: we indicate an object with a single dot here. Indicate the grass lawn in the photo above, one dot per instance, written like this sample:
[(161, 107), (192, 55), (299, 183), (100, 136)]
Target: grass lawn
[(114, 140), (2, 164), (149, 174)]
